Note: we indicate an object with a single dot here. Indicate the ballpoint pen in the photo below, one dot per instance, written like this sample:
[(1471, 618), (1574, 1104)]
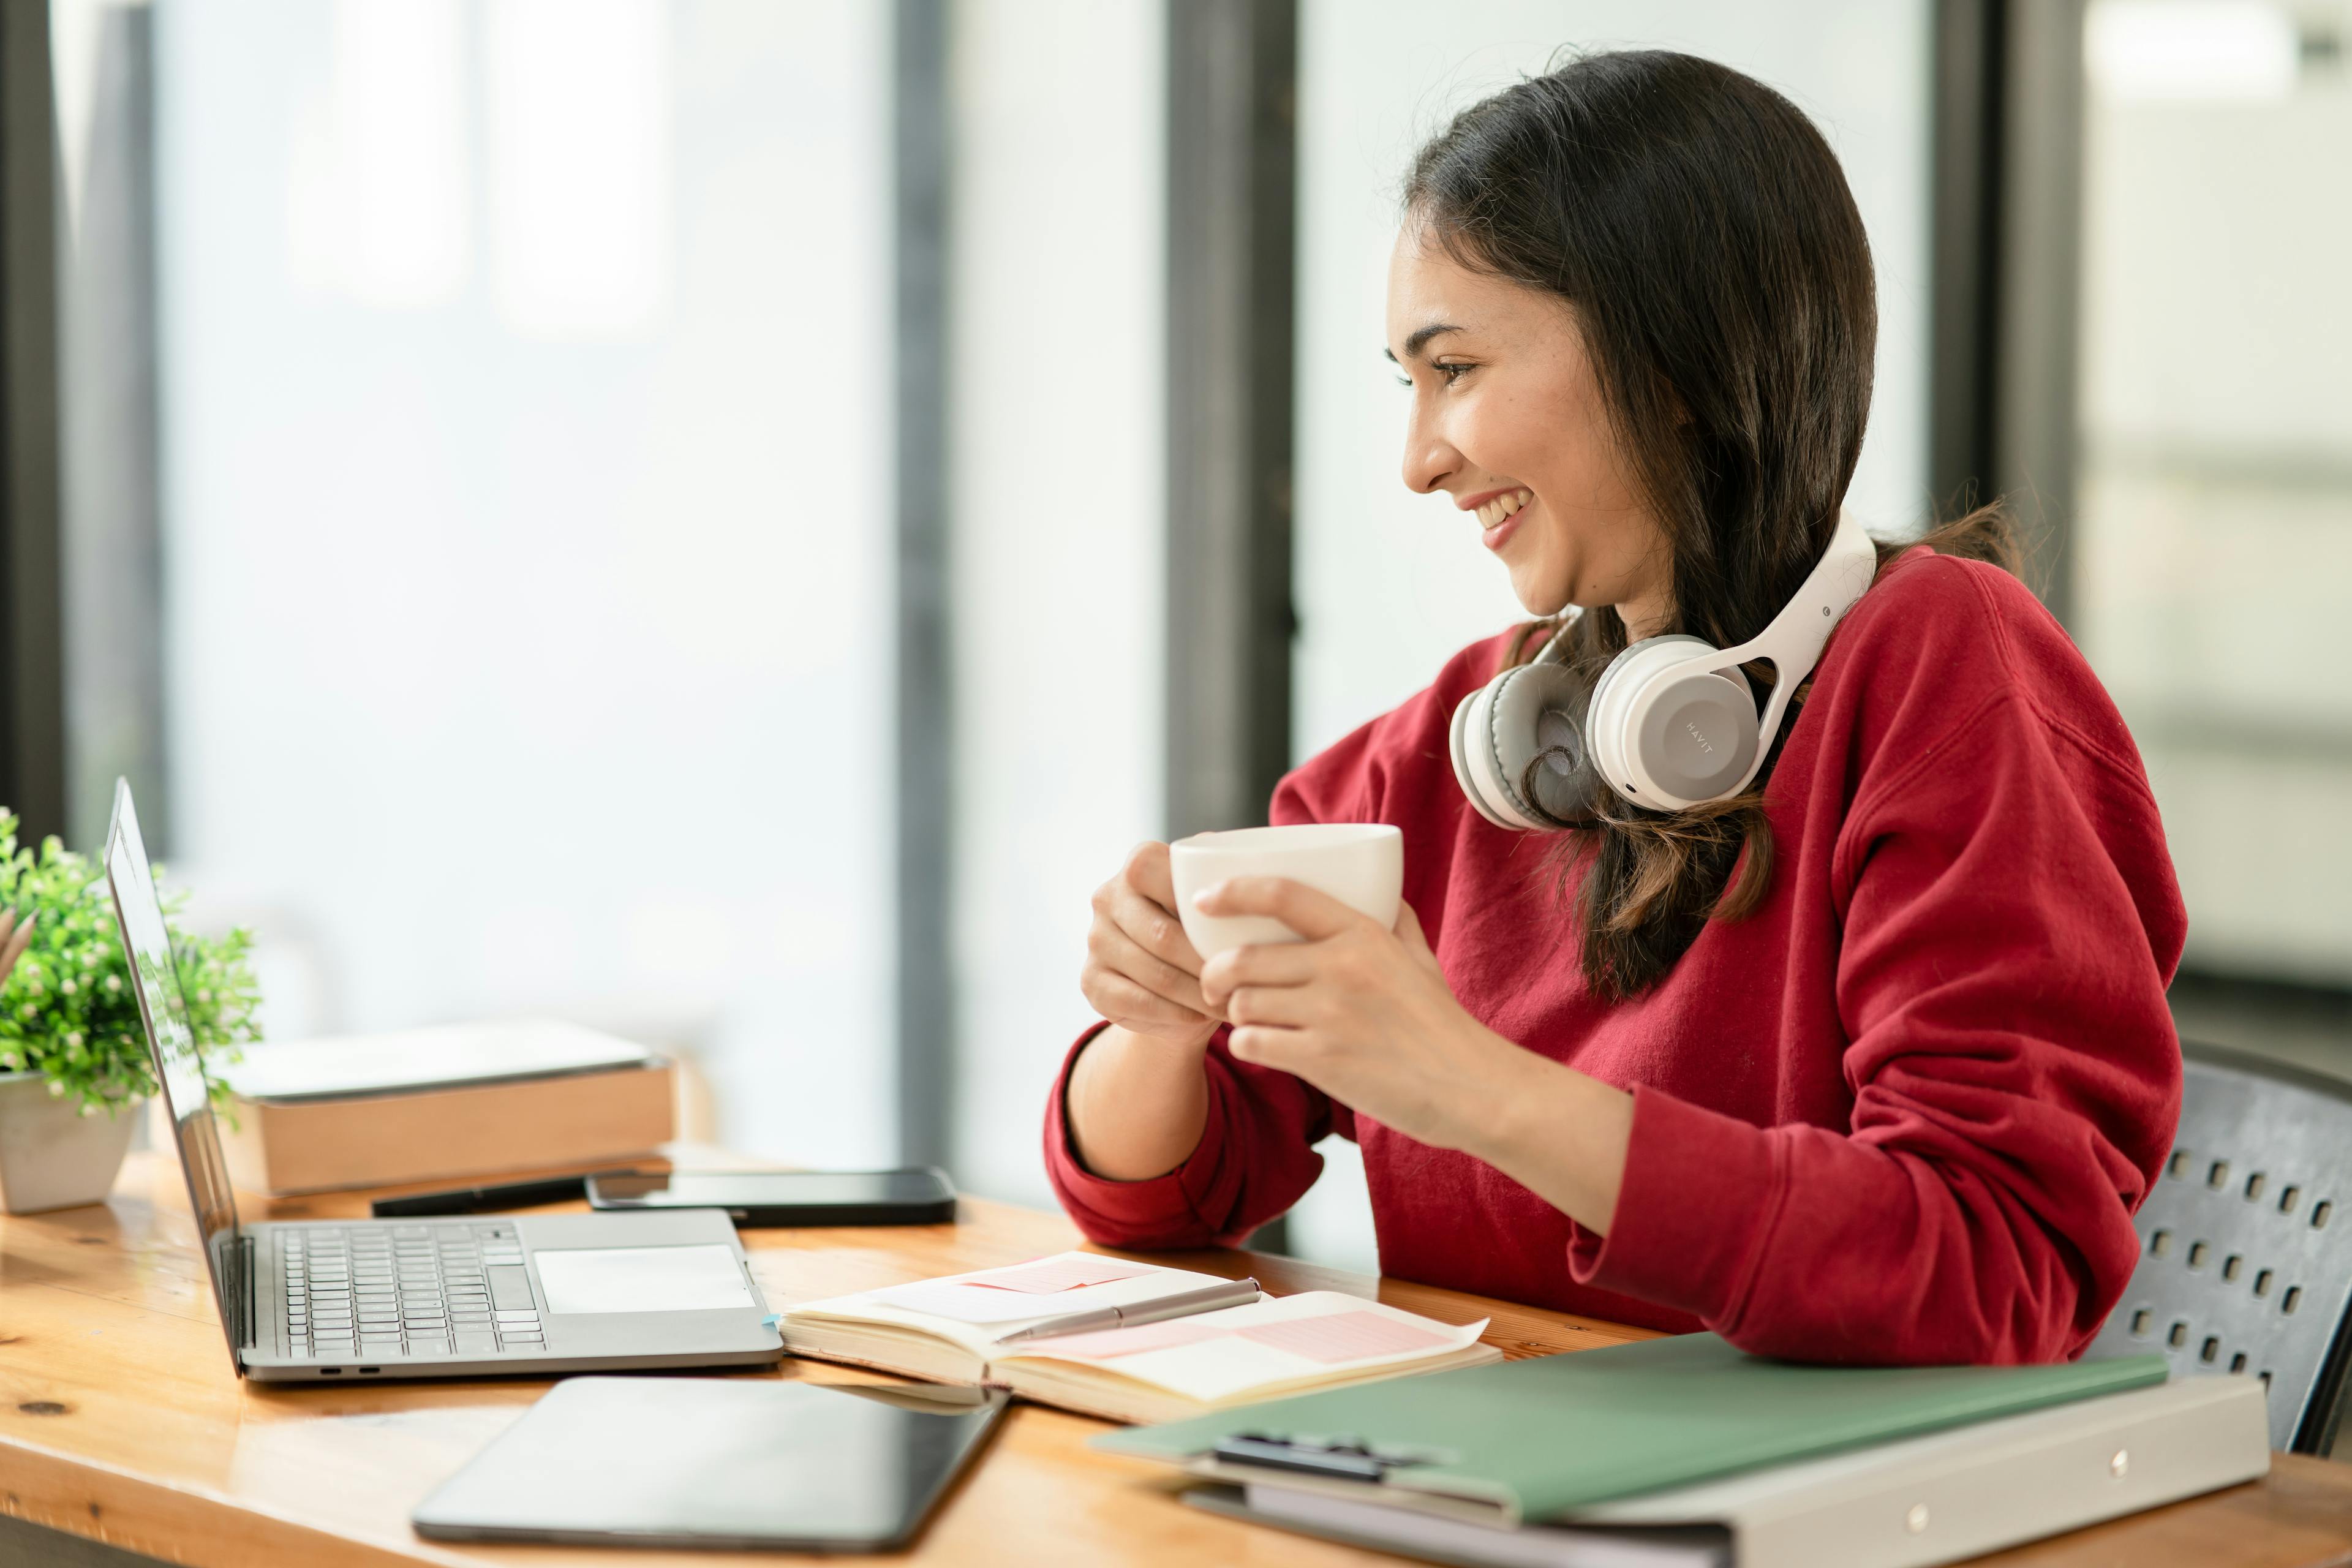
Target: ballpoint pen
[(1227, 1293)]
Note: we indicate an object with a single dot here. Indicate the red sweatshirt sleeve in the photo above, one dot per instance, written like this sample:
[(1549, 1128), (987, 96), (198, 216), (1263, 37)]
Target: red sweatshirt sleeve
[(1256, 1157), (2016, 1073)]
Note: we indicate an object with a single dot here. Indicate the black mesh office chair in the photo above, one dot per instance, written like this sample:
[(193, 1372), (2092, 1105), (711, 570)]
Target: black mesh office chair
[(2245, 1260)]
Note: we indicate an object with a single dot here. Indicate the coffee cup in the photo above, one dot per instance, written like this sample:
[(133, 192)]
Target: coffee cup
[(1362, 863)]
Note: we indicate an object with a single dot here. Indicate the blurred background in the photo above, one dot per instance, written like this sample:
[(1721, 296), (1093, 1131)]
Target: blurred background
[(725, 521)]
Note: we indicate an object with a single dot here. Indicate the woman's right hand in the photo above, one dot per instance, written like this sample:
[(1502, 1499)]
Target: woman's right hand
[(1141, 972)]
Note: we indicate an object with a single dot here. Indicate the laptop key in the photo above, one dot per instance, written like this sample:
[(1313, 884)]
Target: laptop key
[(510, 1289), (427, 1345), (474, 1344)]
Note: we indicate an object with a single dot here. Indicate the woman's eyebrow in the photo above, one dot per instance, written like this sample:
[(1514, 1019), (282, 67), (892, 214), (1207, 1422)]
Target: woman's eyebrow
[(1412, 345)]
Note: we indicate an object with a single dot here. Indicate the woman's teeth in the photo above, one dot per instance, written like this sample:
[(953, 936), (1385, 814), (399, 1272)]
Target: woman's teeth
[(1503, 506)]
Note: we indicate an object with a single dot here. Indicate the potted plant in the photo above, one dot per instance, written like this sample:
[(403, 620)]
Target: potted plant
[(74, 1067)]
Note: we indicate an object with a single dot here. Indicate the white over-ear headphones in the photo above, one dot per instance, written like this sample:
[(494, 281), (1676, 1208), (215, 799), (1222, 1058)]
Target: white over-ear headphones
[(1671, 723)]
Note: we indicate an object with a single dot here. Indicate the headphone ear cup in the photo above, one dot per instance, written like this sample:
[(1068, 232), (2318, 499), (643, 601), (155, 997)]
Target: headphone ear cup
[(1671, 744), (1468, 719), (1538, 749), (1604, 725)]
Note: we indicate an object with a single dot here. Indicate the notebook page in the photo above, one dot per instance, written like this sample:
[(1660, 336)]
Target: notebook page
[(986, 1304), (1045, 1287), (1214, 1355)]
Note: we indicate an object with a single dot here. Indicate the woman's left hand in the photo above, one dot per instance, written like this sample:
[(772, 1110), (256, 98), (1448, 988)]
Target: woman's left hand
[(1361, 1012)]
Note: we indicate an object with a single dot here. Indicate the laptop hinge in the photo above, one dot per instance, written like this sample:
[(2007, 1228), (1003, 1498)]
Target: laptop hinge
[(244, 1296)]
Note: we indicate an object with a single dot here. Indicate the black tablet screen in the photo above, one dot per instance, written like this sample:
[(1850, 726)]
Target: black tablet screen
[(717, 1462)]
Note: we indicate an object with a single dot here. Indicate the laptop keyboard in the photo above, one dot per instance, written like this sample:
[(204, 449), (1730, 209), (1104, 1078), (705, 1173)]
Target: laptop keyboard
[(385, 1292)]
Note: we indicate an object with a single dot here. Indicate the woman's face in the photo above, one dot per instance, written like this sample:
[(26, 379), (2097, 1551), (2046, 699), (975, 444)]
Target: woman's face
[(1508, 420)]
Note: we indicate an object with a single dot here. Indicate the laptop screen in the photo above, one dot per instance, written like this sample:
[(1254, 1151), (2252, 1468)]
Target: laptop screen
[(155, 978)]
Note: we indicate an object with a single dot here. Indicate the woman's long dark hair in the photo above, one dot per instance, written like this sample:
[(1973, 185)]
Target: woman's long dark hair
[(1702, 230)]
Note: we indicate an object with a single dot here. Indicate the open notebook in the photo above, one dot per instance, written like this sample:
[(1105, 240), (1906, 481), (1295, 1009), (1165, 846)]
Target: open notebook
[(1235, 1347)]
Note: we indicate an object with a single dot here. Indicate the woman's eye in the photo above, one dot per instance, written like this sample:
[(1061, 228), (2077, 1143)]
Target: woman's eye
[(1451, 373)]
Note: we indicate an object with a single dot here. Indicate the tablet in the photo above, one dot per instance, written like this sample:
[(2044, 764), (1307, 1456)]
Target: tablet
[(715, 1462)]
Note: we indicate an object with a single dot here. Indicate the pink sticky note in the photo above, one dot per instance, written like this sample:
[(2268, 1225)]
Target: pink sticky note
[(1049, 1274), (1101, 1344), (1341, 1336)]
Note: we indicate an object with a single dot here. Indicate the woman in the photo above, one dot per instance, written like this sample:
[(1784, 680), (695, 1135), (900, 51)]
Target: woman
[(1870, 1063)]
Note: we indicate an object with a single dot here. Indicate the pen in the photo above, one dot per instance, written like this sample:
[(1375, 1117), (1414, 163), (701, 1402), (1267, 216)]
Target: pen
[(1227, 1293), (477, 1200)]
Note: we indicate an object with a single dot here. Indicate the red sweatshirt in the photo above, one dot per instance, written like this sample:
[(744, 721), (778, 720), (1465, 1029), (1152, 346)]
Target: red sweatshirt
[(1902, 1113)]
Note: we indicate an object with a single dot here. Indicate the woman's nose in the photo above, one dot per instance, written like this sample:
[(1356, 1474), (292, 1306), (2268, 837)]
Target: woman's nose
[(1428, 458)]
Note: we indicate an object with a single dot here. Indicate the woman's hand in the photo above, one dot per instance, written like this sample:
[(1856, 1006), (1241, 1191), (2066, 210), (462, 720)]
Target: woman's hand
[(1362, 1013), (1141, 970)]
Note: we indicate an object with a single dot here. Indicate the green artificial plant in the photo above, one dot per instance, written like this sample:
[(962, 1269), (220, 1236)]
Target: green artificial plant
[(67, 1008)]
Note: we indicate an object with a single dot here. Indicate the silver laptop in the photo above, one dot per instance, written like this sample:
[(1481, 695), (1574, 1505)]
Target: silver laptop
[(481, 1295)]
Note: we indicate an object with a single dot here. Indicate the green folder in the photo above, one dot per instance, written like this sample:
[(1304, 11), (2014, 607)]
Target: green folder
[(1535, 1439)]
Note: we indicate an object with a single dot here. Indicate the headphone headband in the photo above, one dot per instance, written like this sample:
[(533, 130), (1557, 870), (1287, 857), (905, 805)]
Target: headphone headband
[(1794, 641)]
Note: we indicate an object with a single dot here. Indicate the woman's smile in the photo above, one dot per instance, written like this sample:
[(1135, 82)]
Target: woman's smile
[(1498, 512)]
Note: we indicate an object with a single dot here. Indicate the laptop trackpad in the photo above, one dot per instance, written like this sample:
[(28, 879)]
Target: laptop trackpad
[(641, 1279)]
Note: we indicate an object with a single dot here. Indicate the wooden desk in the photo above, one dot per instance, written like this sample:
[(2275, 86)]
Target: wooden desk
[(122, 1420)]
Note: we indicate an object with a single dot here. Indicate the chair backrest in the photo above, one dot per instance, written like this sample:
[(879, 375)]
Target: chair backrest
[(2245, 1258)]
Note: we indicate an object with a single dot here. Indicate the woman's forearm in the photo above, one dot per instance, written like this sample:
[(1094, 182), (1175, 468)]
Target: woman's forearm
[(1559, 1133), (1136, 1105)]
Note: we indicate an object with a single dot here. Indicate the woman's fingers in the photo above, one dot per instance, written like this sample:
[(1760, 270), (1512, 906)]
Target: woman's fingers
[(1120, 953), (1114, 996), (1271, 1046), (1151, 873), (1310, 912), (1283, 1006), (1153, 927), (1264, 963)]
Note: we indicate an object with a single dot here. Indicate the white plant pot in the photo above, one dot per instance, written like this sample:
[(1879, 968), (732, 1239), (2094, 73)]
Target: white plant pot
[(50, 1157)]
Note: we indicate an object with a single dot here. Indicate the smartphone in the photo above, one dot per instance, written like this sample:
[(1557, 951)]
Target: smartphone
[(922, 1196)]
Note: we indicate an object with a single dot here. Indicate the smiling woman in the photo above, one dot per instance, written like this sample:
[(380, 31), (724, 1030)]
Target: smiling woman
[(1862, 1055)]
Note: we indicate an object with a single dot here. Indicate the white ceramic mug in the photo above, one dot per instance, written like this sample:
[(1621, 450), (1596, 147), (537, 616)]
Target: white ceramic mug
[(1362, 863)]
